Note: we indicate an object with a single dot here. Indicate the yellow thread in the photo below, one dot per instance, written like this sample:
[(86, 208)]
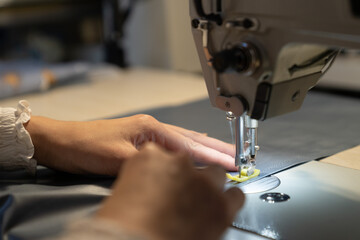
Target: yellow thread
[(243, 176)]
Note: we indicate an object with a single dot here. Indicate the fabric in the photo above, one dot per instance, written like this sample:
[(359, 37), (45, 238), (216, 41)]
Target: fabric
[(16, 147), (95, 229), (41, 206), (326, 124)]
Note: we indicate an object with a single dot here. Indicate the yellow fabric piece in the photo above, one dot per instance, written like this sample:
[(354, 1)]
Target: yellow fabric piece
[(243, 176)]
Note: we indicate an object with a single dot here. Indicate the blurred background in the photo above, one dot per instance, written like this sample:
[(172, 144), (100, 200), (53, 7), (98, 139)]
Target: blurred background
[(87, 59), (154, 33)]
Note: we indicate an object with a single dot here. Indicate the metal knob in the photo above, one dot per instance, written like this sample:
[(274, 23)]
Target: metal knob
[(242, 58)]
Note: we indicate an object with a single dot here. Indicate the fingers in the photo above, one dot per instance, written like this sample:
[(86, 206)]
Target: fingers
[(149, 147), (208, 155), (150, 151), (205, 140), (165, 161), (175, 141), (215, 174), (235, 199)]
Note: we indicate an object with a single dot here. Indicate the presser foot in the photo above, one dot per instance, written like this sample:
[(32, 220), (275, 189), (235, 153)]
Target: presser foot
[(243, 177)]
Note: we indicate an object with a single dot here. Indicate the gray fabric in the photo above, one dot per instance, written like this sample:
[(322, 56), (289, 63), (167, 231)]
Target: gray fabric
[(326, 124), (41, 206), (34, 207)]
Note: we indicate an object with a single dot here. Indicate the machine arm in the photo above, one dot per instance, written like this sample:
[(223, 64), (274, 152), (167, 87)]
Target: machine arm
[(259, 58)]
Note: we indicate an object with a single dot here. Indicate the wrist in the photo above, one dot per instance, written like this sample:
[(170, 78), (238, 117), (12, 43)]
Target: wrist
[(56, 144), (38, 129)]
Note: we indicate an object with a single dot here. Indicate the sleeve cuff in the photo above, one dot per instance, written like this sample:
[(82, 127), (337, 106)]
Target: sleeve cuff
[(16, 147)]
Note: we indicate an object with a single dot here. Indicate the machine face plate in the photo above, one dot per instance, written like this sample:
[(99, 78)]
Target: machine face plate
[(258, 186), (324, 203)]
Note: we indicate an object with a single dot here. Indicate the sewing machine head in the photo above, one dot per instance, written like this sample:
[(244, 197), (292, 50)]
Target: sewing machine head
[(261, 57)]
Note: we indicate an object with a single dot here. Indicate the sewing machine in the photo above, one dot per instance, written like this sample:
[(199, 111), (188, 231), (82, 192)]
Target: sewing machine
[(259, 59)]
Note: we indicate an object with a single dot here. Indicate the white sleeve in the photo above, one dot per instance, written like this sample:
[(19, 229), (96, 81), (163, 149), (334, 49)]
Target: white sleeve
[(91, 229), (16, 147)]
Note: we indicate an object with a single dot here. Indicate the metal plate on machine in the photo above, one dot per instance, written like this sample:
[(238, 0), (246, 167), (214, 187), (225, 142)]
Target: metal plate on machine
[(324, 204), (260, 185)]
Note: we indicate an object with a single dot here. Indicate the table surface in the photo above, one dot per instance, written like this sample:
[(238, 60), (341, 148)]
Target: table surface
[(107, 91)]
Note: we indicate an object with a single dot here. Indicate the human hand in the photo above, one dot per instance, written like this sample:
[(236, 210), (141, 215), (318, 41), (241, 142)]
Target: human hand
[(100, 147), (160, 196)]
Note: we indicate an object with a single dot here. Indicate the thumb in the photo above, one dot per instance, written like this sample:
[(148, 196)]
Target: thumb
[(234, 199)]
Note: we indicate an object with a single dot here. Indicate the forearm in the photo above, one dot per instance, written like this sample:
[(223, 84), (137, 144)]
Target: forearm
[(75, 147), (49, 139)]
